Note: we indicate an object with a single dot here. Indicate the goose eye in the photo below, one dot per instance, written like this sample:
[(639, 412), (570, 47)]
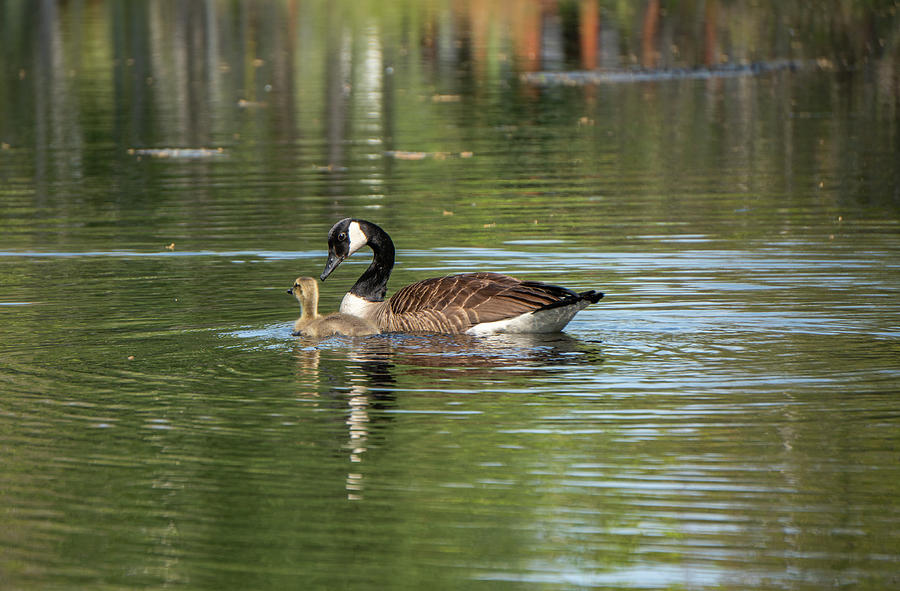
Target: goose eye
[(342, 236)]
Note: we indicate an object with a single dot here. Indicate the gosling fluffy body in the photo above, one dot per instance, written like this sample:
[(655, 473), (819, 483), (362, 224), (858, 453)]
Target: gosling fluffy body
[(310, 324), (472, 303)]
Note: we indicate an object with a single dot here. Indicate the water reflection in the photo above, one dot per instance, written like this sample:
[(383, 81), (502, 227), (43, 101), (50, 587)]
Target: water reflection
[(166, 74), (377, 356), (364, 373), (736, 426)]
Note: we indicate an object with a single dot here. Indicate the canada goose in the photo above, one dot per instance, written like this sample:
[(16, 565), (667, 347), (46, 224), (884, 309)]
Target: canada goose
[(473, 303), (310, 324)]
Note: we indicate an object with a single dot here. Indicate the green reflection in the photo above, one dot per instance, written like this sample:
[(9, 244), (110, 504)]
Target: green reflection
[(724, 419)]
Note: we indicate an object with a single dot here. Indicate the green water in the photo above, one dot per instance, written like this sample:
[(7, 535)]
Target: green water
[(726, 417)]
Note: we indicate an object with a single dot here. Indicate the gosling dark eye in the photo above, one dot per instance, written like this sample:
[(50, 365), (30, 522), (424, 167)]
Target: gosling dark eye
[(342, 236)]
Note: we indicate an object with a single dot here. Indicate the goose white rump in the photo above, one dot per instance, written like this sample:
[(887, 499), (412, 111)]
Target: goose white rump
[(473, 303)]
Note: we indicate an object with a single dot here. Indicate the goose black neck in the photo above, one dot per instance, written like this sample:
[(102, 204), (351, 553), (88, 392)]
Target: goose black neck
[(372, 285)]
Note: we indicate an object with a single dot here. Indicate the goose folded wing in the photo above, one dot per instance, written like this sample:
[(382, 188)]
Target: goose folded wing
[(472, 298)]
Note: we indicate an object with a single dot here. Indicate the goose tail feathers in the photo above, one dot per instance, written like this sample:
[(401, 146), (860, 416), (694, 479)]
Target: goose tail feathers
[(584, 298)]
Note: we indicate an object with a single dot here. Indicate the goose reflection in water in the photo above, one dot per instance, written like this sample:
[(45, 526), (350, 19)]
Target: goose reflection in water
[(360, 374), (378, 356)]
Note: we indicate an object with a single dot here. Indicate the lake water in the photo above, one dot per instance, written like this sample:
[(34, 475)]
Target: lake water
[(727, 417)]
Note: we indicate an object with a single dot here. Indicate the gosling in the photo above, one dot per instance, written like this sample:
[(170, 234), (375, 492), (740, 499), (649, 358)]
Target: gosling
[(310, 324)]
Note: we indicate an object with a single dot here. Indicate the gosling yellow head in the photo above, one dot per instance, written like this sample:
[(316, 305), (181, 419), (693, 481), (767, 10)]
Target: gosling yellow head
[(310, 324)]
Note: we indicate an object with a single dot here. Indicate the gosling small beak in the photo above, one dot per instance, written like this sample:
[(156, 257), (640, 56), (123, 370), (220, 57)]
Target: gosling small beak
[(291, 290), (332, 264)]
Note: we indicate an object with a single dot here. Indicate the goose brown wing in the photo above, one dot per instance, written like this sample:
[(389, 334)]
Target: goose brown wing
[(457, 302)]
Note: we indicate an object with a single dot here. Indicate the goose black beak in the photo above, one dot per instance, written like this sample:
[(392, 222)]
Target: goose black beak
[(291, 290), (332, 264)]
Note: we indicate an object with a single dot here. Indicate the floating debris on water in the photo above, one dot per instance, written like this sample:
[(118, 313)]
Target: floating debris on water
[(245, 104), (401, 155), (404, 155), (329, 168), (584, 77), (179, 153)]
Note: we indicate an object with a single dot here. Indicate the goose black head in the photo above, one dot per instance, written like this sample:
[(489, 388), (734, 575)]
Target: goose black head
[(344, 238)]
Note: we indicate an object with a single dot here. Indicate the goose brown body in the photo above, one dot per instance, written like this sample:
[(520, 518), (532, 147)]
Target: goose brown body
[(310, 324), (475, 303), (457, 303)]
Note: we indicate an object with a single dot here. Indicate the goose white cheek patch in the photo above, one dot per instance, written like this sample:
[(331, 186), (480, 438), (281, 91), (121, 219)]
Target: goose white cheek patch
[(358, 238)]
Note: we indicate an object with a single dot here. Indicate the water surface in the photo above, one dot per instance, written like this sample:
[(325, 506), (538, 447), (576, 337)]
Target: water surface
[(726, 417)]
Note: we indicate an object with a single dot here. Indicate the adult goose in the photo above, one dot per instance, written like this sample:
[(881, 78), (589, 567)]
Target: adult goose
[(310, 324), (473, 303)]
